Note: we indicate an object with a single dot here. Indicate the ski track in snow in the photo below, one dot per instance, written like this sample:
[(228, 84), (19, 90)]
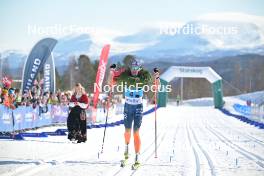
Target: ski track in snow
[(145, 156), (237, 148), (192, 141), (244, 133), (197, 160), (248, 154), (208, 158)]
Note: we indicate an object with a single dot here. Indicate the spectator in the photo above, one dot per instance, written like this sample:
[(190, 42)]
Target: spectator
[(53, 99), (18, 98), (1, 96), (58, 94), (76, 122), (10, 99), (63, 99), (178, 99)]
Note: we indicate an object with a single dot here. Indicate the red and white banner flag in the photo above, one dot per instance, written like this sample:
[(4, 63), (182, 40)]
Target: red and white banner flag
[(100, 73)]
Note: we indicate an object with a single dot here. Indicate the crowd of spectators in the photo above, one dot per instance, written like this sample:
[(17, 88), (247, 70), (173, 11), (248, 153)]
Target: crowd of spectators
[(13, 97)]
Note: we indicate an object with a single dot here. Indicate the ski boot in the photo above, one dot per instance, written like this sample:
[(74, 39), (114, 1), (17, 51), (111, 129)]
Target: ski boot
[(136, 165), (126, 155)]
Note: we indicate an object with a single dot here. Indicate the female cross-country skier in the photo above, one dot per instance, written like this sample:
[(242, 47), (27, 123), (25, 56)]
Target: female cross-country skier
[(134, 78)]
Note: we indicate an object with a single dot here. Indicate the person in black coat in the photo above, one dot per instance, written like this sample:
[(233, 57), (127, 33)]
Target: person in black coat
[(76, 122)]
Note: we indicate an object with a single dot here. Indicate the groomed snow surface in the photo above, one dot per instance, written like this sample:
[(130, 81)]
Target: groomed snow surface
[(192, 141)]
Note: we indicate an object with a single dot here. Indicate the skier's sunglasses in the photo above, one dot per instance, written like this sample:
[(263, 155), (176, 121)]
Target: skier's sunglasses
[(135, 68)]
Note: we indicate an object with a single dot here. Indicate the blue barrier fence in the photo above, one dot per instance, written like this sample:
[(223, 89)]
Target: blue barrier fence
[(243, 109), (243, 119), (37, 118), (27, 117)]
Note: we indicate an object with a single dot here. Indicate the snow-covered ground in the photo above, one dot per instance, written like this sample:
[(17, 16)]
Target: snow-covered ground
[(192, 140)]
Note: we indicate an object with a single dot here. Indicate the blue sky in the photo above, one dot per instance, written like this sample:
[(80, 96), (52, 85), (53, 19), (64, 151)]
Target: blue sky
[(16, 15)]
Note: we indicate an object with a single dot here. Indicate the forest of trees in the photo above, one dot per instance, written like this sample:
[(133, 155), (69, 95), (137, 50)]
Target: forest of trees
[(83, 70), (241, 74)]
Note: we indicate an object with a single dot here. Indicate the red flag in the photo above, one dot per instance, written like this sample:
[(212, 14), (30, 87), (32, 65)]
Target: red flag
[(100, 73)]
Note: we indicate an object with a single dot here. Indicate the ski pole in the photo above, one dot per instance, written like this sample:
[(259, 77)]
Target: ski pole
[(155, 99), (106, 118), (13, 121), (107, 109), (156, 77)]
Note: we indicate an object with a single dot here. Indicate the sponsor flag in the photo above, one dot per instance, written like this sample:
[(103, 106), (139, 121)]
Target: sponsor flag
[(100, 75), (49, 75), (36, 60)]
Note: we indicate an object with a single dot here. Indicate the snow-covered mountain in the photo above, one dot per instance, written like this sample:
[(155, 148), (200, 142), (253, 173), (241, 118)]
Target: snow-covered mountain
[(147, 35), (71, 44), (225, 34), (13, 58)]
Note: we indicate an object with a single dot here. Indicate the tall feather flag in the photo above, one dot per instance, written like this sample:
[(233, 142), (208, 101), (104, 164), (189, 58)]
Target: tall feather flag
[(100, 77)]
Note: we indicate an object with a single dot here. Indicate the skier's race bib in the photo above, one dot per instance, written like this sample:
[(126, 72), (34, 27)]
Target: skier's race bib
[(133, 97), (133, 101)]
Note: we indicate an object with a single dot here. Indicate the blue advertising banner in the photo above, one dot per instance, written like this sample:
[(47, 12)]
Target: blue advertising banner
[(243, 109), (26, 117), (36, 60), (49, 75)]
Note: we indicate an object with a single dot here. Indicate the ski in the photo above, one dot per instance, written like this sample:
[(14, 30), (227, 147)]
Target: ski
[(74, 142), (135, 166), (123, 163), (126, 157)]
